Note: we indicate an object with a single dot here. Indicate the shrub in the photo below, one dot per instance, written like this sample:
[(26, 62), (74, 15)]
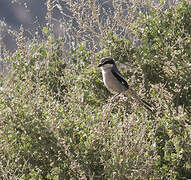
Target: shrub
[(57, 121)]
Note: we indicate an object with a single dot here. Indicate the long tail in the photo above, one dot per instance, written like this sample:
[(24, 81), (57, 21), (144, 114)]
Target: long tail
[(141, 101)]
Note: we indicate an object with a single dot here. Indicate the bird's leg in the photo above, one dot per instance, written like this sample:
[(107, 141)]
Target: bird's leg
[(114, 97)]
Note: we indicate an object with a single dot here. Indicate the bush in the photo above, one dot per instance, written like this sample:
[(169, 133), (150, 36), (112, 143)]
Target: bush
[(57, 121)]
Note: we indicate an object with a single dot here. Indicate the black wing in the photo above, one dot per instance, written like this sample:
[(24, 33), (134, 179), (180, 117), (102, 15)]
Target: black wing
[(120, 78)]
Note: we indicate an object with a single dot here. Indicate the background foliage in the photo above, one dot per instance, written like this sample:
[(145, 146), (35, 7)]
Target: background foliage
[(56, 118)]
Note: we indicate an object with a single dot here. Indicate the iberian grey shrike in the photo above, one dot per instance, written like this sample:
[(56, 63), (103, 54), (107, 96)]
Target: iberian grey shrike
[(115, 82)]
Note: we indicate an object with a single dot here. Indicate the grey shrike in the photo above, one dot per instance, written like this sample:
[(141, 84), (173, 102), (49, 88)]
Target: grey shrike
[(115, 82)]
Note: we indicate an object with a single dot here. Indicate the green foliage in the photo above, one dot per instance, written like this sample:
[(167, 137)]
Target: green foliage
[(165, 51), (57, 122)]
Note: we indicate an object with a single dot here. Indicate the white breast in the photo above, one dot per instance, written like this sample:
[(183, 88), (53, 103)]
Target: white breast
[(111, 83)]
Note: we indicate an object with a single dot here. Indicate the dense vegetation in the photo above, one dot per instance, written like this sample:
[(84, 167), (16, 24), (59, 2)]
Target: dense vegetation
[(56, 120)]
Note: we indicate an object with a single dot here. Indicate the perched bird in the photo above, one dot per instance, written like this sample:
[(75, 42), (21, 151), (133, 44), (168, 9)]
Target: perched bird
[(115, 82)]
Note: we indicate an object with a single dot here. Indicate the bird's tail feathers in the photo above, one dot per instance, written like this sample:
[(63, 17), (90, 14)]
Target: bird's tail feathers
[(141, 101)]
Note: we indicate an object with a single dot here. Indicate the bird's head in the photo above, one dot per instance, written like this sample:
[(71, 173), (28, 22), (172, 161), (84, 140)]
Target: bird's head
[(106, 63)]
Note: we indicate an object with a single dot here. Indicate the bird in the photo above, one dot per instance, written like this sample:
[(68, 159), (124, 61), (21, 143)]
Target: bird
[(115, 82)]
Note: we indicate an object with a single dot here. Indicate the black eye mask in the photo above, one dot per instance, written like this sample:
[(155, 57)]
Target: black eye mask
[(106, 61)]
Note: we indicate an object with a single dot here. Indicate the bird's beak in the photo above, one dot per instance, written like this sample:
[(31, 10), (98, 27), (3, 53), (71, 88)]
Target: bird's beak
[(99, 65)]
